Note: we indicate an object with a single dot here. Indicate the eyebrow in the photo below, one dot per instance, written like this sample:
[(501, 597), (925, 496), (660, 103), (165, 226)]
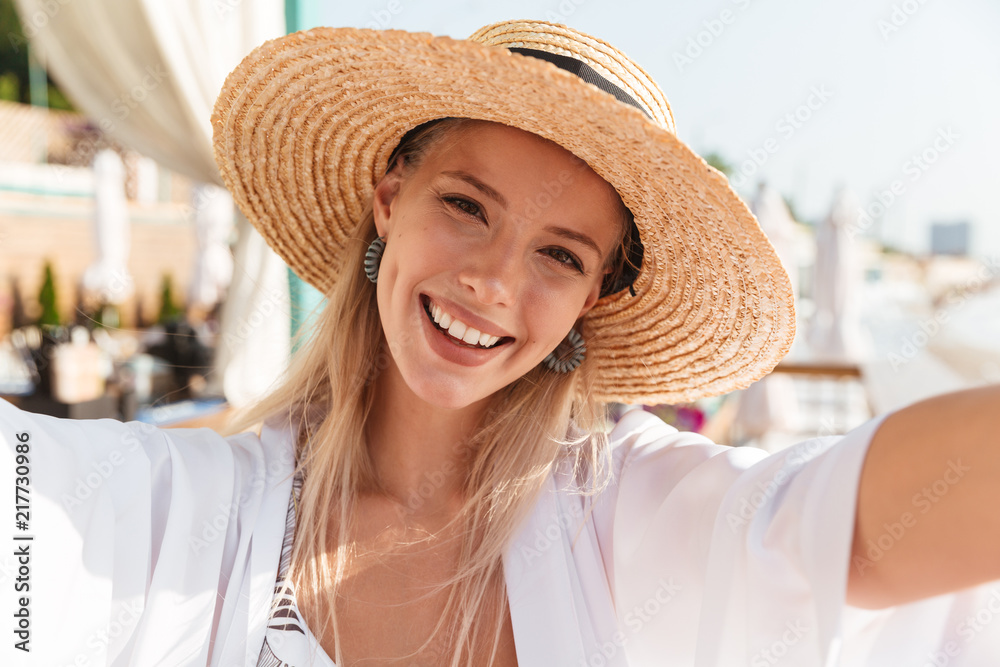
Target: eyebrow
[(576, 236), (479, 185)]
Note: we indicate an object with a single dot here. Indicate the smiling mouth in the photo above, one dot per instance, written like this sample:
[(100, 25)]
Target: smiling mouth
[(459, 332)]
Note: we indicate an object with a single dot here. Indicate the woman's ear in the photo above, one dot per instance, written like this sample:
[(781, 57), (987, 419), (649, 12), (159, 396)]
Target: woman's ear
[(592, 297), (385, 193)]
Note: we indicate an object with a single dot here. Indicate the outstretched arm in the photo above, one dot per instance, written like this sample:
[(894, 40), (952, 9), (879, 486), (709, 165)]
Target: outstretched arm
[(928, 513)]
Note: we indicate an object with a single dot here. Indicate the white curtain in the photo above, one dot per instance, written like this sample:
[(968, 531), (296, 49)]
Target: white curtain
[(148, 72)]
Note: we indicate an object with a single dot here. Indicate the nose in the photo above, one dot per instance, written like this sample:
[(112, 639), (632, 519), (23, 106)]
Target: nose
[(494, 275)]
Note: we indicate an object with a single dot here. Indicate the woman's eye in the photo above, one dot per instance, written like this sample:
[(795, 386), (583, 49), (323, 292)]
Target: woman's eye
[(564, 257), (464, 205)]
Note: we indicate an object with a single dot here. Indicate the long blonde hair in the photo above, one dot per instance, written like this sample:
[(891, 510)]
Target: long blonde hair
[(327, 395)]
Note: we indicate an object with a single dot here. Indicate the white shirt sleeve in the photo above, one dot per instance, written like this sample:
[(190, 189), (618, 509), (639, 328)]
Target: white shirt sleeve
[(137, 542), (730, 556)]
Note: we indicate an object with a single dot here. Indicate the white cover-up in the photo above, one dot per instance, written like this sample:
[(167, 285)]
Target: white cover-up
[(162, 547)]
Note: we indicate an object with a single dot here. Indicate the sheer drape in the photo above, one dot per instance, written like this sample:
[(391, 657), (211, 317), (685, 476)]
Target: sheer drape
[(148, 72)]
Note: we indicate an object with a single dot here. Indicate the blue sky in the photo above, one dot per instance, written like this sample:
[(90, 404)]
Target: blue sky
[(890, 82)]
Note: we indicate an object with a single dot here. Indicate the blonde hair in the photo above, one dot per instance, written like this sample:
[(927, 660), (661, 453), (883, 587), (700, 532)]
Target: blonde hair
[(533, 424)]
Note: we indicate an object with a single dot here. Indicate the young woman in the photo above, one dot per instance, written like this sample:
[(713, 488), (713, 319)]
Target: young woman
[(510, 236)]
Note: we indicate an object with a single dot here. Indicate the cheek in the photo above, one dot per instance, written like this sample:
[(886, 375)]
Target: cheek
[(426, 255), (413, 263), (423, 239), (410, 259), (550, 314)]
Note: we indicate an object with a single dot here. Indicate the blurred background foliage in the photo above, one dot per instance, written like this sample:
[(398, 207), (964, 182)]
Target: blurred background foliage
[(15, 80)]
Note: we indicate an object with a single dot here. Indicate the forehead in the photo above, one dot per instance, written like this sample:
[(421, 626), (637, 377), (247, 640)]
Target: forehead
[(486, 142)]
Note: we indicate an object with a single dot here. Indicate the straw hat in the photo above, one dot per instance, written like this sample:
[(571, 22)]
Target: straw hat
[(304, 126)]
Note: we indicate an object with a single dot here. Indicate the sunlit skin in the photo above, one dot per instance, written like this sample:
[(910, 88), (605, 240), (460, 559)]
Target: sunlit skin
[(952, 537), (465, 232)]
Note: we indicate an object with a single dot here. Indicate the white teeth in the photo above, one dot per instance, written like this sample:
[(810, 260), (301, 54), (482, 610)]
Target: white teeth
[(441, 318), (471, 336), (459, 329)]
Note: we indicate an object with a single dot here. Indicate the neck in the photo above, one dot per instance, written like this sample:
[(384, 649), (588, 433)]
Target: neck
[(421, 452)]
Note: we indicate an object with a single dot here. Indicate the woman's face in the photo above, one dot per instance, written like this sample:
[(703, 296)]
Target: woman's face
[(496, 244)]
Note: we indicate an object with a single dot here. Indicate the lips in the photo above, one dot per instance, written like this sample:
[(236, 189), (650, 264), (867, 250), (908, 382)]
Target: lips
[(459, 332)]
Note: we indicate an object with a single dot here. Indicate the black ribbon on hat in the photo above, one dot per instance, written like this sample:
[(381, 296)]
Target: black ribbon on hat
[(585, 72), (635, 250)]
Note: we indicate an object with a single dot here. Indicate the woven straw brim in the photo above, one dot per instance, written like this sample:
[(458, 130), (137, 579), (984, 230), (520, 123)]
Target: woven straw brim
[(304, 126)]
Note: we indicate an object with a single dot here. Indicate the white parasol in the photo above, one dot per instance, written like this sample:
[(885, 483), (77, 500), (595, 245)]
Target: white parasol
[(835, 330), (108, 279), (213, 223), (770, 404)]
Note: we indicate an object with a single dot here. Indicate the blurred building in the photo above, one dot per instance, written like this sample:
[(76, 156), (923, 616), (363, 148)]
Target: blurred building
[(46, 208), (950, 238)]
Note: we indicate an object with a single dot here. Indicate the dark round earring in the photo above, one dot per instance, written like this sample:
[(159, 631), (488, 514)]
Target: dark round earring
[(373, 257), (568, 355)]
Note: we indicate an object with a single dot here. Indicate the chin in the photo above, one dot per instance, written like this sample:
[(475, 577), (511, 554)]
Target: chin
[(446, 393)]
